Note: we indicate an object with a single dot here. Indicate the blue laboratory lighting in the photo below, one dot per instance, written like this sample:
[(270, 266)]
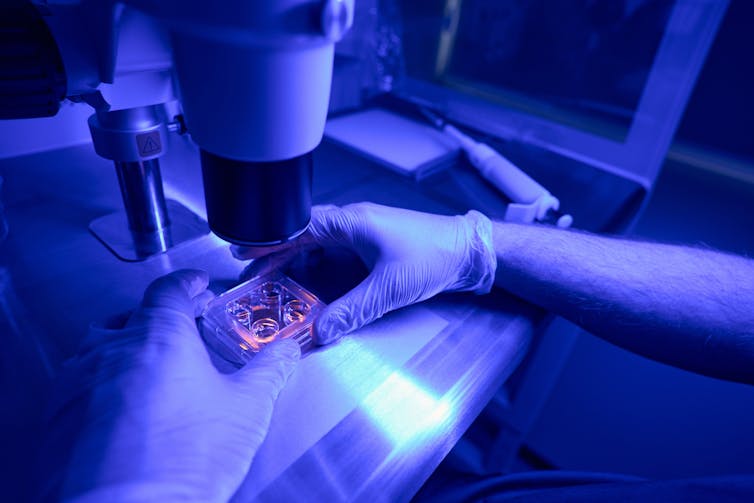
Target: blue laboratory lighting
[(405, 411)]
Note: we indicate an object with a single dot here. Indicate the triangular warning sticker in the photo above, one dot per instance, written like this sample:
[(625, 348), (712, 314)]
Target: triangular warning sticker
[(149, 144), (150, 147)]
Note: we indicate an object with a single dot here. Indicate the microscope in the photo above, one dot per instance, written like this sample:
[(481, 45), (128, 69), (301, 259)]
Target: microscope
[(249, 80)]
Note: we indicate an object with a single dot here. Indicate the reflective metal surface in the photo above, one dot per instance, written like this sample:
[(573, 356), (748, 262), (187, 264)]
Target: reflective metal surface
[(367, 418), (113, 231), (141, 186)]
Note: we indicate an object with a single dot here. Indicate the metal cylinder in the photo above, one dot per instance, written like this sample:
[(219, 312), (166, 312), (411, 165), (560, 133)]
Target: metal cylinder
[(141, 187), (257, 203), (144, 201)]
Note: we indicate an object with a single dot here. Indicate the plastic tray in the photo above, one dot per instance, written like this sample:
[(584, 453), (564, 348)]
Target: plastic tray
[(240, 322)]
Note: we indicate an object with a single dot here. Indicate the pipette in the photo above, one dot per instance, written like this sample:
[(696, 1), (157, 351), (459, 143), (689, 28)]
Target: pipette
[(529, 200)]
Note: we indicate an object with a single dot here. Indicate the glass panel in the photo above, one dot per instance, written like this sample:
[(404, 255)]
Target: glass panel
[(580, 62)]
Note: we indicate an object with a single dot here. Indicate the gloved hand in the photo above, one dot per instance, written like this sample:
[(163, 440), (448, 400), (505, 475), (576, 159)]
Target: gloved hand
[(147, 417), (412, 257)]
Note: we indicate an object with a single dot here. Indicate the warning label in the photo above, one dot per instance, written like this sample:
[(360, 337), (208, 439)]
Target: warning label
[(149, 144)]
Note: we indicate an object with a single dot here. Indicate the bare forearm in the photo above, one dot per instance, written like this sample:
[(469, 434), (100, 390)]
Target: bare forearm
[(687, 307)]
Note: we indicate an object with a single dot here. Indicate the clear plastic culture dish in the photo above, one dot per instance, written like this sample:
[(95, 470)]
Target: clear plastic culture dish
[(240, 322)]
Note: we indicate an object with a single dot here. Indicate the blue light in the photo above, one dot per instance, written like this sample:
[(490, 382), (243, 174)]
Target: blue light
[(405, 411)]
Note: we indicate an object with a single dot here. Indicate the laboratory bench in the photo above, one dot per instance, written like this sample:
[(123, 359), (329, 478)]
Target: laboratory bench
[(367, 418)]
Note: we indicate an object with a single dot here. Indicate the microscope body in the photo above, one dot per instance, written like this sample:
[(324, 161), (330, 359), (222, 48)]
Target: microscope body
[(248, 80)]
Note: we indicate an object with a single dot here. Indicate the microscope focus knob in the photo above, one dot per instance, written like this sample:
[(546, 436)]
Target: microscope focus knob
[(337, 18)]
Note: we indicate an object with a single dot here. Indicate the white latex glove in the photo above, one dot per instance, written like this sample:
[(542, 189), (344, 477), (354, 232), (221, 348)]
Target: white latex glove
[(412, 257), (147, 417)]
